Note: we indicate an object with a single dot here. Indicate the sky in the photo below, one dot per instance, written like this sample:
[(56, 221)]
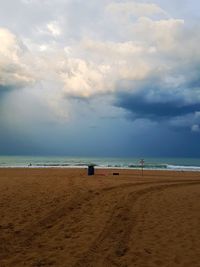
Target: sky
[(100, 78)]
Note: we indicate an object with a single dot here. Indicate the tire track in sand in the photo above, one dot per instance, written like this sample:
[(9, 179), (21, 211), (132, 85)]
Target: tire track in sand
[(76, 204), (73, 212), (112, 242)]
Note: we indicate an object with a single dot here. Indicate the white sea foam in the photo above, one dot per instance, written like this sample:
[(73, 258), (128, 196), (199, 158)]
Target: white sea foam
[(183, 168), (170, 164)]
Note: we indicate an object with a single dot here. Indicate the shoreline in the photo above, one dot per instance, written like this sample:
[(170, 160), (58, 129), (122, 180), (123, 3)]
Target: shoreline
[(134, 163), (173, 169)]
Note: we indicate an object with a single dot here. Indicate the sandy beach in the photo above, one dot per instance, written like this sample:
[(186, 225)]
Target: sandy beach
[(62, 217)]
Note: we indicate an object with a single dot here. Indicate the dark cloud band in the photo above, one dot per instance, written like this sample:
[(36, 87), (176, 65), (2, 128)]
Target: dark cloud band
[(140, 106)]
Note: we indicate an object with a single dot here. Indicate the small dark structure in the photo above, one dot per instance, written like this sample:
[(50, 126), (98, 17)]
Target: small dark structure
[(91, 169), (115, 173)]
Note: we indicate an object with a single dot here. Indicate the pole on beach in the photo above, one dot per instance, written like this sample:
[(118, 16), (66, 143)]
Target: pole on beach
[(142, 165)]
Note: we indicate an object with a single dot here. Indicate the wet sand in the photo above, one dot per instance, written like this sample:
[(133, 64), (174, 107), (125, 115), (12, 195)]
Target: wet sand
[(62, 217)]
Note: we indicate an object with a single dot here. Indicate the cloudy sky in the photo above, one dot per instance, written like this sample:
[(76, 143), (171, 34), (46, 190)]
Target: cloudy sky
[(100, 77)]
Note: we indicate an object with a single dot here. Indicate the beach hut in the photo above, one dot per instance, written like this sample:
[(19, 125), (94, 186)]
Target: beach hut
[(91, 169)]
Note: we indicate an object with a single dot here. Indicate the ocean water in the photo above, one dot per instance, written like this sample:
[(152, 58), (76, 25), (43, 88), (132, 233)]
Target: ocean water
[(100, 162)]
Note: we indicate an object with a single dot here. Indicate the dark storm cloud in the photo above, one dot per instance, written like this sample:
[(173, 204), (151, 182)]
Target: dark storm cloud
[(167, 107)]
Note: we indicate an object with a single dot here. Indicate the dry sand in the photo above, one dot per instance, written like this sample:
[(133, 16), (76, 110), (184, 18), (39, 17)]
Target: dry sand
[(62, 217)]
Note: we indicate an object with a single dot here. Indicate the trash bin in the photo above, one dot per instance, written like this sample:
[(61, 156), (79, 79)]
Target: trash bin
[(90, 169)]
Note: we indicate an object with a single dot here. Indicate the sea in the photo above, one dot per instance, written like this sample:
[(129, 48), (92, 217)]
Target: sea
[(182, 164)]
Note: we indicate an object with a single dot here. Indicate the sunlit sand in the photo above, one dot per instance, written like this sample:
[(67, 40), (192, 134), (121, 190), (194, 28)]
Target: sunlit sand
[(62, 217)]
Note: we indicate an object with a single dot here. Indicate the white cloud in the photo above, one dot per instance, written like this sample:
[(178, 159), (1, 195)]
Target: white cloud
[(85, 79), (161, 33), (114, 49), (92, 67), (134, 8), (27, 2), (150, 46), (14, 72), (54, 28)]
